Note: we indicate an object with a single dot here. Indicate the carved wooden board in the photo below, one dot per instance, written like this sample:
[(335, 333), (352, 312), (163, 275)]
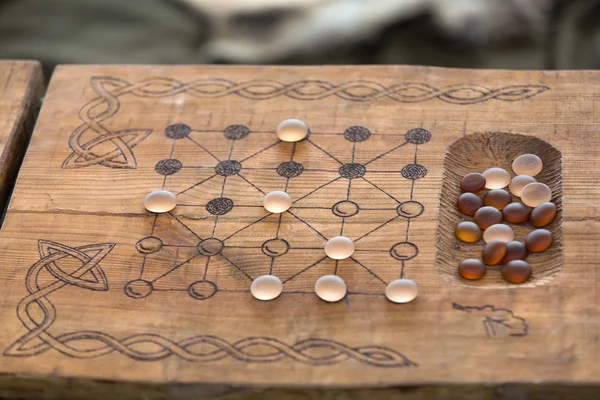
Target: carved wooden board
[(97, 288)]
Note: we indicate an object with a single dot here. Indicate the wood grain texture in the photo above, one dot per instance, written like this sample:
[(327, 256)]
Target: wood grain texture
[(96, 289)]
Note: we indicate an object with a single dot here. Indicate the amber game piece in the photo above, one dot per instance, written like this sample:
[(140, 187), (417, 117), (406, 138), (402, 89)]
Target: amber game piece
[(497, 198), (487, 216), (543, 214), (514, 251), (468, 232), (473, 182), (516, 213), (516, 271), (472, 269), (469, 203), (493, 252), (538, 240)]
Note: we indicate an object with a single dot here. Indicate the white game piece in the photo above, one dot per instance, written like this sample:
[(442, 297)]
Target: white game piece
[(277, 202), (527, 164), (292, 130), (496, 178), (519, 182), (401, 291), (266, 287), (535, 194), (339, 247), (499, 232), (330, 288), (160, 201)]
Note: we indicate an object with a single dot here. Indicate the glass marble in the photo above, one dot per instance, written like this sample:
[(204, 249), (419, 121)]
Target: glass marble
[(160, 201), (266, 287), (496, 178), (514, 251), (535, 194), (469, 203), (543, 214), (516, 271), (493, 252), (277, 202), (473, 182), (401, 291), (499, 232), (527, 164), (330, 288), (516, 213), (292, 130), (468, 232), (519, 182), (487, 216), (497, 198), (472, 269), (538, 240), (339, 247)]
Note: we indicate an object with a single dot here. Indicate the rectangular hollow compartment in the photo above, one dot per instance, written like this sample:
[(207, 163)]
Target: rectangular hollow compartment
[(476, 153)]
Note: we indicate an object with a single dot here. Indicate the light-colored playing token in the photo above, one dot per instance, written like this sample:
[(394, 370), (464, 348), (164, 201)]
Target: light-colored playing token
[(266, 287), (339, 248), (401, 291), (277, 202), (292, 130), (330, 288), (160, 201)]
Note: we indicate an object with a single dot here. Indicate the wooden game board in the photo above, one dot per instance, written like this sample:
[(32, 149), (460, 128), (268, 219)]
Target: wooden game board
[(96, 289)]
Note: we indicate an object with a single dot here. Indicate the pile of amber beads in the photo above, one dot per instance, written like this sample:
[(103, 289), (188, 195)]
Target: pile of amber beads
[(491, 207)]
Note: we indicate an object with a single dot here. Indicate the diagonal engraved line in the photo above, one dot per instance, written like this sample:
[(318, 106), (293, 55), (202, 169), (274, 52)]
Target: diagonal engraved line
[(380, 226), (387, 152), (246, 227), (238, 268), (184, 225), (250, 183), (175, 267), (324, 151), (371, 272), (197, 184), (203, 148), (320, 187), (258, 152), (305, 223), (380, 189), (304, 270)]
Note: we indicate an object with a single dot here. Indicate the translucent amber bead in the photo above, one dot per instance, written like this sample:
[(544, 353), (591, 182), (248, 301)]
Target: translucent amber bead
[(469, 203), (468, 232), (514, 251), (517, 271), (493, 252), (473, 182), (497, 198), (543, 214), (487, 216), (538, 240), (472, 269), (516, 213)]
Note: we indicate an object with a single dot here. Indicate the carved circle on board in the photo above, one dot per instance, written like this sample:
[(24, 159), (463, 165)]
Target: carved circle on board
[(418, 136), (275, 247), (219, 206), (404, 251), (138, 288), (178, 131), (149, 245), (345, 208), (290, 169), (236, 132), (202, 290), (169, 166), (228, 168), (414, 171), (356, 134), (410, 209), (210, 247), (352, 171)]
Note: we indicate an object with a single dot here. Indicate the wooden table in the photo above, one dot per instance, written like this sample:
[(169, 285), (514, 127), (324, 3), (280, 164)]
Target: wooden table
[(102, 298)]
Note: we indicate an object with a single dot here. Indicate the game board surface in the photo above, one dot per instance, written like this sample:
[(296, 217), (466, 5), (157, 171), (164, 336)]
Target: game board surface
[(95, 287)]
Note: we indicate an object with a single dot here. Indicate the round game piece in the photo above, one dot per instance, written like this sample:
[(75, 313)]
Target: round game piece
[(160, 201), (538, 240), (339, 247), (516, 271), (266, 287), (493, 252), (527, 164), (473, 182), (469, 203), (535, 194), (514, 251), (401, 291), (496, 178), (516, 213), (519, 182), (277, 202), (543, 214), (330, 288), (497, 198), (472, 269), (487, 216), (292, 130), (468, 232), (499, 232)]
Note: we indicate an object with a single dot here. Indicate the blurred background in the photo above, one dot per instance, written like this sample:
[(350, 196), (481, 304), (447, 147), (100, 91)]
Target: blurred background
[(514, 34)]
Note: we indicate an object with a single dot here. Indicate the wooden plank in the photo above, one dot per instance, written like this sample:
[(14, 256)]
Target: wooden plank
[(87, 299), (21, 88)]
